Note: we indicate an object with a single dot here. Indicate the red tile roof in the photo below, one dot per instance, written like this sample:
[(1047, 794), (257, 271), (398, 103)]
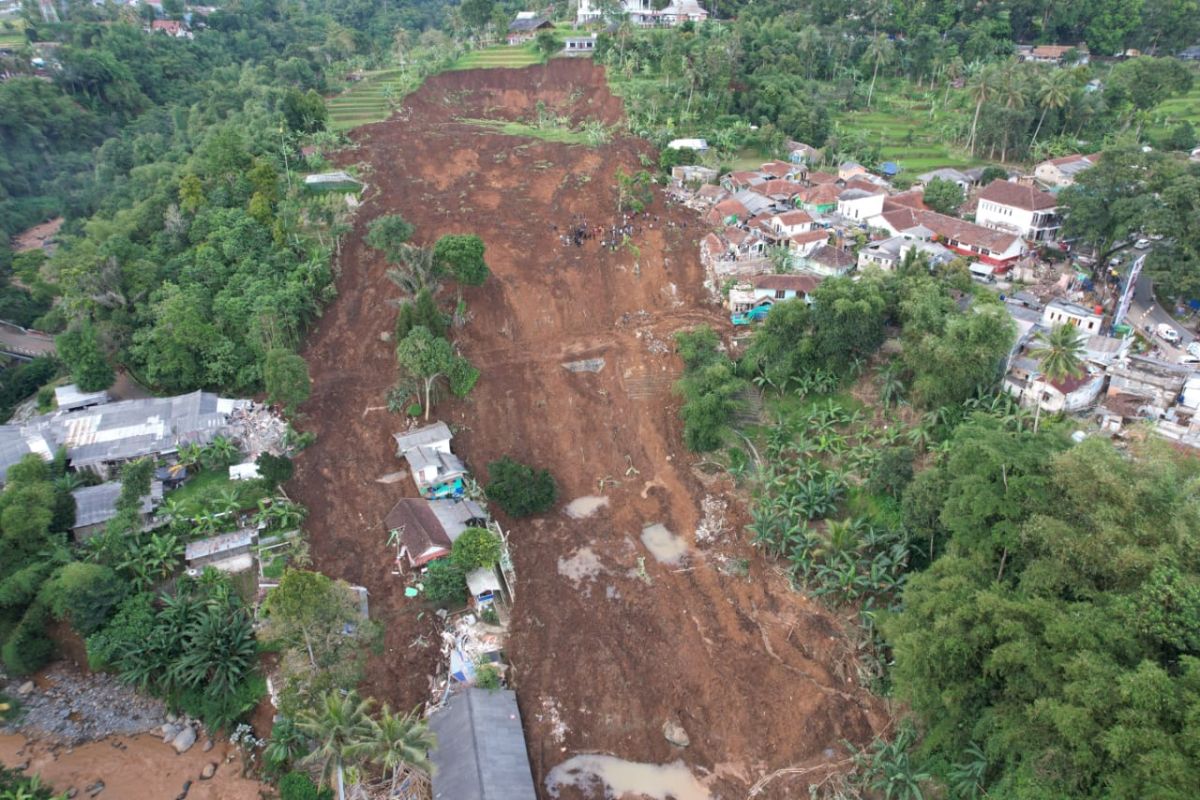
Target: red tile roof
[(965, 233), (778, 168), (910, 199), (1007, 193), (824, 195), (796, 217), (818, 178), (795, 283), (780, 188), (808, 237)]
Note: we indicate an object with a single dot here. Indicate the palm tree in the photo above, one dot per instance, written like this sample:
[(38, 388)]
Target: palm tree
[(1059, 356), (417, 270), (1053, 93), (982, 88), (227, 501), (341, 727), (879, 51), (399, 743)]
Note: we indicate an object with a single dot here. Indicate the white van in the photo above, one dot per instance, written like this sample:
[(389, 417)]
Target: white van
[(1167, 333)]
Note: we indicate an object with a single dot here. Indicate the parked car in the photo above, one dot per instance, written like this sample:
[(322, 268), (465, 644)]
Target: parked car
[(1190, 361), (1142, 244), (1193, 349), (1167, 333)]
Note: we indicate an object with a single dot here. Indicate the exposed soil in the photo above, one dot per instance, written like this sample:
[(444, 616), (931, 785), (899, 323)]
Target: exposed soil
[(610, 646)]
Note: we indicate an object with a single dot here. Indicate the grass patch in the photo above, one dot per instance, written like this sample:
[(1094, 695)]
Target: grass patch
[(13, 37), (500, 56), (882, 508), (200, 491), (549, 134)]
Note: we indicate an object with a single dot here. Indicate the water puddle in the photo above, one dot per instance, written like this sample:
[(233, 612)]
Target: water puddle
[(584, 507), (666, 547), (624, 780), (583, 565)]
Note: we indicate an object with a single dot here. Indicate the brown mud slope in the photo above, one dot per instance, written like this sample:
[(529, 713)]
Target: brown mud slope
[(608, 643)]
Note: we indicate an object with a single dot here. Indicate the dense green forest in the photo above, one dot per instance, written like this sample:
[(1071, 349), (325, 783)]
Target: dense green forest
[(1032, 604)]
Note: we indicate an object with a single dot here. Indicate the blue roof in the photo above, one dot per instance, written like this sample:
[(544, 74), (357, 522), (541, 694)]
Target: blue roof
[(889, 168)]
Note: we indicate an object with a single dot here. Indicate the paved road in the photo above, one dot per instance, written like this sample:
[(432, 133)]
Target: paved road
[(12, 340), (1146, 314)]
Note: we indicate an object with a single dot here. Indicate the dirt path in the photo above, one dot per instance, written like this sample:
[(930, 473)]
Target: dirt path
[(608, 643)]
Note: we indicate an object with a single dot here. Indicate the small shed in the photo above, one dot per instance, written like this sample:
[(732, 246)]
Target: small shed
[(688, 144), (579, 45), (480, 752), (340, 181), (219, 548), (244, 472), (485, 586), (70, 398)]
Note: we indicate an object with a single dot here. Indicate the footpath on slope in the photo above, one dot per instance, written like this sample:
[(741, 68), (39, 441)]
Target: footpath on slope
[(618, 633)]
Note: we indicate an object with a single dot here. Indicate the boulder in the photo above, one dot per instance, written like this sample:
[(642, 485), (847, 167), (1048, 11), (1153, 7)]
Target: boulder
[(674, 733), (209, 770), (25, 688), (169, 732), (172, 717), (208, 745), (184, 740)]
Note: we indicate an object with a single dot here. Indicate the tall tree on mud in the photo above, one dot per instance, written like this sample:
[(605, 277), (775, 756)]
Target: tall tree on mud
[(428, 358)]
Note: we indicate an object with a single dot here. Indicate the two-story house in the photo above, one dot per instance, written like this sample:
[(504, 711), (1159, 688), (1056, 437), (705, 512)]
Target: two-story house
[(1024, 210)]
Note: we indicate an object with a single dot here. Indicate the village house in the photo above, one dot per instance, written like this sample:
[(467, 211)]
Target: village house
[(1147, 384), (848, 169), (888, 254), (709, 195), (959, 177), (101, 438), (699, 145), (790, 223), (1030, 213), (579, 45), (780, 192), (436, 471), (784, 170), (754, 201), (1054, 53), (860, 204), (480, 752), (1072, 394), (728, 211), (1060, 312), (995, 249), (801, 245), (742, 179), (426, 529), (644, 12), (96, 505), (693, 175), (525, 27), (819, 199), (1059, 173), (827, 261), (766, 290), (171, 27), (801, 153)]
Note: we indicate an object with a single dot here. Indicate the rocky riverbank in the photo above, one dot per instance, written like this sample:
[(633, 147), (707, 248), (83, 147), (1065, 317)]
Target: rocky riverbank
[(66, 706)]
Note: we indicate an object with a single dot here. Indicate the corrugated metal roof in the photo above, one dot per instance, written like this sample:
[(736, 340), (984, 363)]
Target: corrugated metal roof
[(422, 437), (98, 504), (480, 752)]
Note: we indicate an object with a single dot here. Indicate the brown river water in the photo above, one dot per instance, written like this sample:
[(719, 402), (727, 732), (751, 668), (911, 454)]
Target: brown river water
[(132, 768)]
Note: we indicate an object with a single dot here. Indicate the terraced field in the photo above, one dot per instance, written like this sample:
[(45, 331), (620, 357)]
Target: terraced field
[(498, 56), (365, 101), (1170, 113), (906, 134)]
